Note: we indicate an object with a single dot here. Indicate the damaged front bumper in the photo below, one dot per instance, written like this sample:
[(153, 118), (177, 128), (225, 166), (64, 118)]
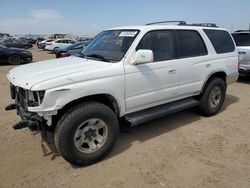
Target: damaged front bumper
[(29, 120)]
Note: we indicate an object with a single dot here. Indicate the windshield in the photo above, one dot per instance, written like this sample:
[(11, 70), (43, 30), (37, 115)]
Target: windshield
[(242, 39), (110, 46)]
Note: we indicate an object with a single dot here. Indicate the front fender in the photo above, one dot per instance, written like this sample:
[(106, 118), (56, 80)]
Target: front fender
[(57, 98)]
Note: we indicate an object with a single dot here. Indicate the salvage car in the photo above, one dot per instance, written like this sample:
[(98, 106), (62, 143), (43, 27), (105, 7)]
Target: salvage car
[(73, 49), (129, 75), (42, 44), (59, 43), (242, 40), (12, 42), (14, 56)]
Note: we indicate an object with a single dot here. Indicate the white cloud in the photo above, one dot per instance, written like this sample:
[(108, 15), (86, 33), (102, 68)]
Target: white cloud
[(45, 14)]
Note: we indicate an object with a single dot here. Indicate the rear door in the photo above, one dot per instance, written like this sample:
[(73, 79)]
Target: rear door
[(192, 54)]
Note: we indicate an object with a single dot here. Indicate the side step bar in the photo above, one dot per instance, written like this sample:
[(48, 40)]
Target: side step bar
[(150, 114)]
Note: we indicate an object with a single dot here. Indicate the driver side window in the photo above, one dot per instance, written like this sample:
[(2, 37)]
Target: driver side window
[(160, 42)]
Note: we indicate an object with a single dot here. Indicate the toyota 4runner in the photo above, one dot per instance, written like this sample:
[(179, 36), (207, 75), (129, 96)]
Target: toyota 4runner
[(128, 74)]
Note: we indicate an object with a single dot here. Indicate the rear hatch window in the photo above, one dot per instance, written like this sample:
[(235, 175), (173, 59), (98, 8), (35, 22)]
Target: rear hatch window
[(221, 40), (242, 39)]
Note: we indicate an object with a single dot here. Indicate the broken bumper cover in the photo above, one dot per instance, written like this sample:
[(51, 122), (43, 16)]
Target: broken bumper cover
[(29, 120)]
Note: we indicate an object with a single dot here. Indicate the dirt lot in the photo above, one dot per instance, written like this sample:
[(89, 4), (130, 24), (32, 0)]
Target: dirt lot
[(182, 150)]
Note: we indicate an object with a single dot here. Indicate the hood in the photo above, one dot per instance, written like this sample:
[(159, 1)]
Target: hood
[(26, 76)]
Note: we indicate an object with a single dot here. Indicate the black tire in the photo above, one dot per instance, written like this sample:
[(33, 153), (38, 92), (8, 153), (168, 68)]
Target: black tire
[(211, 104), (15, 60), (54, 49), (69, 124)]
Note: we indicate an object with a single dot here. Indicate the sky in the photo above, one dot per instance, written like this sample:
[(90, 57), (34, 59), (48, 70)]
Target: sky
[(89, 17)]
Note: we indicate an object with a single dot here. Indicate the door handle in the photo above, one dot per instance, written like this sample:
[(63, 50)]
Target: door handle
[(173, 71), (242, 52)]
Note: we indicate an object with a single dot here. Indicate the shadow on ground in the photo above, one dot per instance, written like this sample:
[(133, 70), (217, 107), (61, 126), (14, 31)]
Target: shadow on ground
[(244, 80)]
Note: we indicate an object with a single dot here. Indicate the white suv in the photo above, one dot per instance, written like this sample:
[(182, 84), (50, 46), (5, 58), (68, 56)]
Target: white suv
[(59, 43), (242, 40), (128, 74)]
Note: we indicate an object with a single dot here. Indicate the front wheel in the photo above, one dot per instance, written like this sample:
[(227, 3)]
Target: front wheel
[(86, 133), (15, 60), (213, 97)]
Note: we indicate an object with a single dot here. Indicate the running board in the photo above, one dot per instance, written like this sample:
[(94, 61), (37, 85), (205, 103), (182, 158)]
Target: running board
[(153, 113)]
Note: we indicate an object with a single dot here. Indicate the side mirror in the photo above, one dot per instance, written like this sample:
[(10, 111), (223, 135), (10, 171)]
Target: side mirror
[(144, 56)]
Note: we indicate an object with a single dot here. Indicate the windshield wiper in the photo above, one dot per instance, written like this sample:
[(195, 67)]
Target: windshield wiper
[(99, 57)]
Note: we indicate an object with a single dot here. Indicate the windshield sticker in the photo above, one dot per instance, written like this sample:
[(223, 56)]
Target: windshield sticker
[(128, 34)]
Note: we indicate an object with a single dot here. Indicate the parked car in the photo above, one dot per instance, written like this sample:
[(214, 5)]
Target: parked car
[(12, 42), (31, 40), (39, 39), (73, 49), (59, 43), (129, 74), (42, 44), (242, 40), (14, 56)]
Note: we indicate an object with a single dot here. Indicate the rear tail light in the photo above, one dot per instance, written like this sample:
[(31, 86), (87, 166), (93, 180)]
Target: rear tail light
[(238, 62), (64, 55)]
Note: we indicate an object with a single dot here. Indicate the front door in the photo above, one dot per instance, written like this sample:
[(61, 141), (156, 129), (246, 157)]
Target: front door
[(153, 83)]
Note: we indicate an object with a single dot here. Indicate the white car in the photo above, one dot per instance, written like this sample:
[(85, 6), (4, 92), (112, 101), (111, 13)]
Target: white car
[(42, 44), (59, 43), (129, 74), (242, 40)]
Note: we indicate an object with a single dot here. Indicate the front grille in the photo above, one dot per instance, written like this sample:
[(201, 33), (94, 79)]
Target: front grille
[(22, 97), (25, 98)]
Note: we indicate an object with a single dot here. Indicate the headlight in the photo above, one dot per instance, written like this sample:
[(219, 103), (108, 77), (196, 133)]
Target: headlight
[(35, 98), (26, 52)]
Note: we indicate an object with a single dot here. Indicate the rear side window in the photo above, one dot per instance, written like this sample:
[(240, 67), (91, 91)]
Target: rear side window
[(242, 39), (221, 40), (160, 42), (190, 44)]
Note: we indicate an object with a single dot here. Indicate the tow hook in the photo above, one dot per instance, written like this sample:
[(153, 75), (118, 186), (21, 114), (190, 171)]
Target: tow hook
[(10, 107), (25, 123)]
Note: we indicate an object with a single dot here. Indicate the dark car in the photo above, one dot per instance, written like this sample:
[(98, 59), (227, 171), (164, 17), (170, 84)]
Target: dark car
[(14, 56), (73, 49), (12, 42), (39, 39)]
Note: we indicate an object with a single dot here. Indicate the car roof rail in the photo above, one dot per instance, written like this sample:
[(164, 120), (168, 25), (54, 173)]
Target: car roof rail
[(204, 24), (178, 22), (166, 22), (239, 31)]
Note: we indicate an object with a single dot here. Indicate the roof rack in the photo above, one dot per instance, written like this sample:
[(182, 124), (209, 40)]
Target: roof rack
[(239, 31), (162, 22), (205, 24), (185, 24)]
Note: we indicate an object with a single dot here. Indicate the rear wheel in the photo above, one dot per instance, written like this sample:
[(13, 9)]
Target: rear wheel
[(86, 133), (15, 60), (213, 97)]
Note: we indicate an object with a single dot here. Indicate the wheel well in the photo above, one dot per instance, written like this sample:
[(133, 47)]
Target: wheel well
[(101, 98), (221, 75)]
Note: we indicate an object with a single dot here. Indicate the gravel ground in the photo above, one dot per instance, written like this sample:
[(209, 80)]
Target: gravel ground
[(181, 150)]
